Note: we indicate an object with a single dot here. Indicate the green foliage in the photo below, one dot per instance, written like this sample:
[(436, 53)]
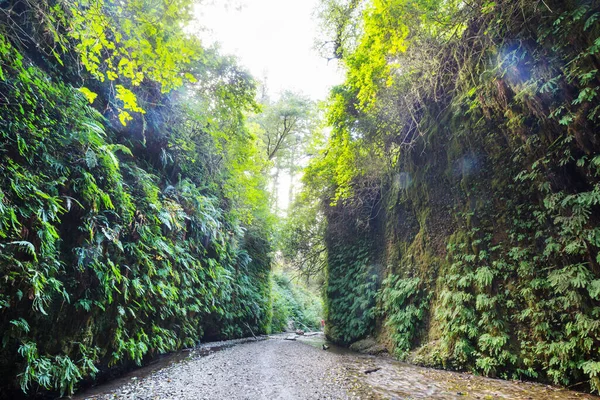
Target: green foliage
[(351, 290), (292, 302), (120, 243), (283, 124), (122, 44), (302, 237), (477, 127), (475, 328), (137, 40), (406, 305)]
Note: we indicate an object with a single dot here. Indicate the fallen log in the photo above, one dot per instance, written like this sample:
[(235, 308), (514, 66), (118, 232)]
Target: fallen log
[(370, 371)]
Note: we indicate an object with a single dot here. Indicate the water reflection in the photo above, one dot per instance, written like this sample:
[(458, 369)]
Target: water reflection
[(398, 380)]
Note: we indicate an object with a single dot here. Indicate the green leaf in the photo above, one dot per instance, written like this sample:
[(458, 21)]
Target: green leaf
[(89, 95), (90, 158), (594, 289), (27, 246)]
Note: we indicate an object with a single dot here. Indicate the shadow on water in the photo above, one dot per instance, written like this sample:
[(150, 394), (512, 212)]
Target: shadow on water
[(386, 378)]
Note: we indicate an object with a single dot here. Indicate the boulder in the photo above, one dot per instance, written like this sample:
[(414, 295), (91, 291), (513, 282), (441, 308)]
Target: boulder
[(368, 345)]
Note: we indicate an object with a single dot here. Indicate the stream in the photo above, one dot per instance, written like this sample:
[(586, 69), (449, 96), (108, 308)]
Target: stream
[(275, 368)]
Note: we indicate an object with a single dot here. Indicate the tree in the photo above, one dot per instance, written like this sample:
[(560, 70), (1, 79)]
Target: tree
[(340, 25), (302, 238), (284, 128), (284, 122), (122, 43)]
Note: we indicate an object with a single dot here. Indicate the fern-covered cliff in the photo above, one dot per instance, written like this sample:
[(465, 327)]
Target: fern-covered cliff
[(461, 184), (133, 219)]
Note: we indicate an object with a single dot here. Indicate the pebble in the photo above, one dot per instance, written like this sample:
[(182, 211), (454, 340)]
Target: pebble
[(268, 369)]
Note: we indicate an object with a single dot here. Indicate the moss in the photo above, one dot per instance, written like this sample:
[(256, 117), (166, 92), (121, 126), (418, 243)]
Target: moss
[(500, 222)]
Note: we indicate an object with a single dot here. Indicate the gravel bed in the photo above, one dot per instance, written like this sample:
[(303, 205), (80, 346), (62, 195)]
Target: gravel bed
[(267, 369)]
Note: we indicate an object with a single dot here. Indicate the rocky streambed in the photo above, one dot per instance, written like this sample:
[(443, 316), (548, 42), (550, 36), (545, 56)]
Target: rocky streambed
[(276, 368)]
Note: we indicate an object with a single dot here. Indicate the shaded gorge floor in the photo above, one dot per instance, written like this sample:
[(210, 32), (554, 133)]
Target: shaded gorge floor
[(276, 368)]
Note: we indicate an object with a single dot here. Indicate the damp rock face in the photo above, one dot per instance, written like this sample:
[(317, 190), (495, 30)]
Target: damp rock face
[(368, 346)]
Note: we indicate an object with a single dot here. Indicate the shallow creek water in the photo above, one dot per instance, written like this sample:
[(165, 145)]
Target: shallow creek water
[(389, 379), (397, 380)]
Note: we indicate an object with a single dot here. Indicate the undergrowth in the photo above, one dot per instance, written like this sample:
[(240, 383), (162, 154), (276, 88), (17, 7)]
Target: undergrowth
[(294, 306)]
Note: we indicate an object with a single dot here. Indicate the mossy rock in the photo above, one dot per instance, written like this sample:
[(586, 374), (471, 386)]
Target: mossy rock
[(427, 355), (368, 345)]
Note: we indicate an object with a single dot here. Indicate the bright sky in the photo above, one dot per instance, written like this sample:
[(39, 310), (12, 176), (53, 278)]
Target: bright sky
[(272, 38)]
